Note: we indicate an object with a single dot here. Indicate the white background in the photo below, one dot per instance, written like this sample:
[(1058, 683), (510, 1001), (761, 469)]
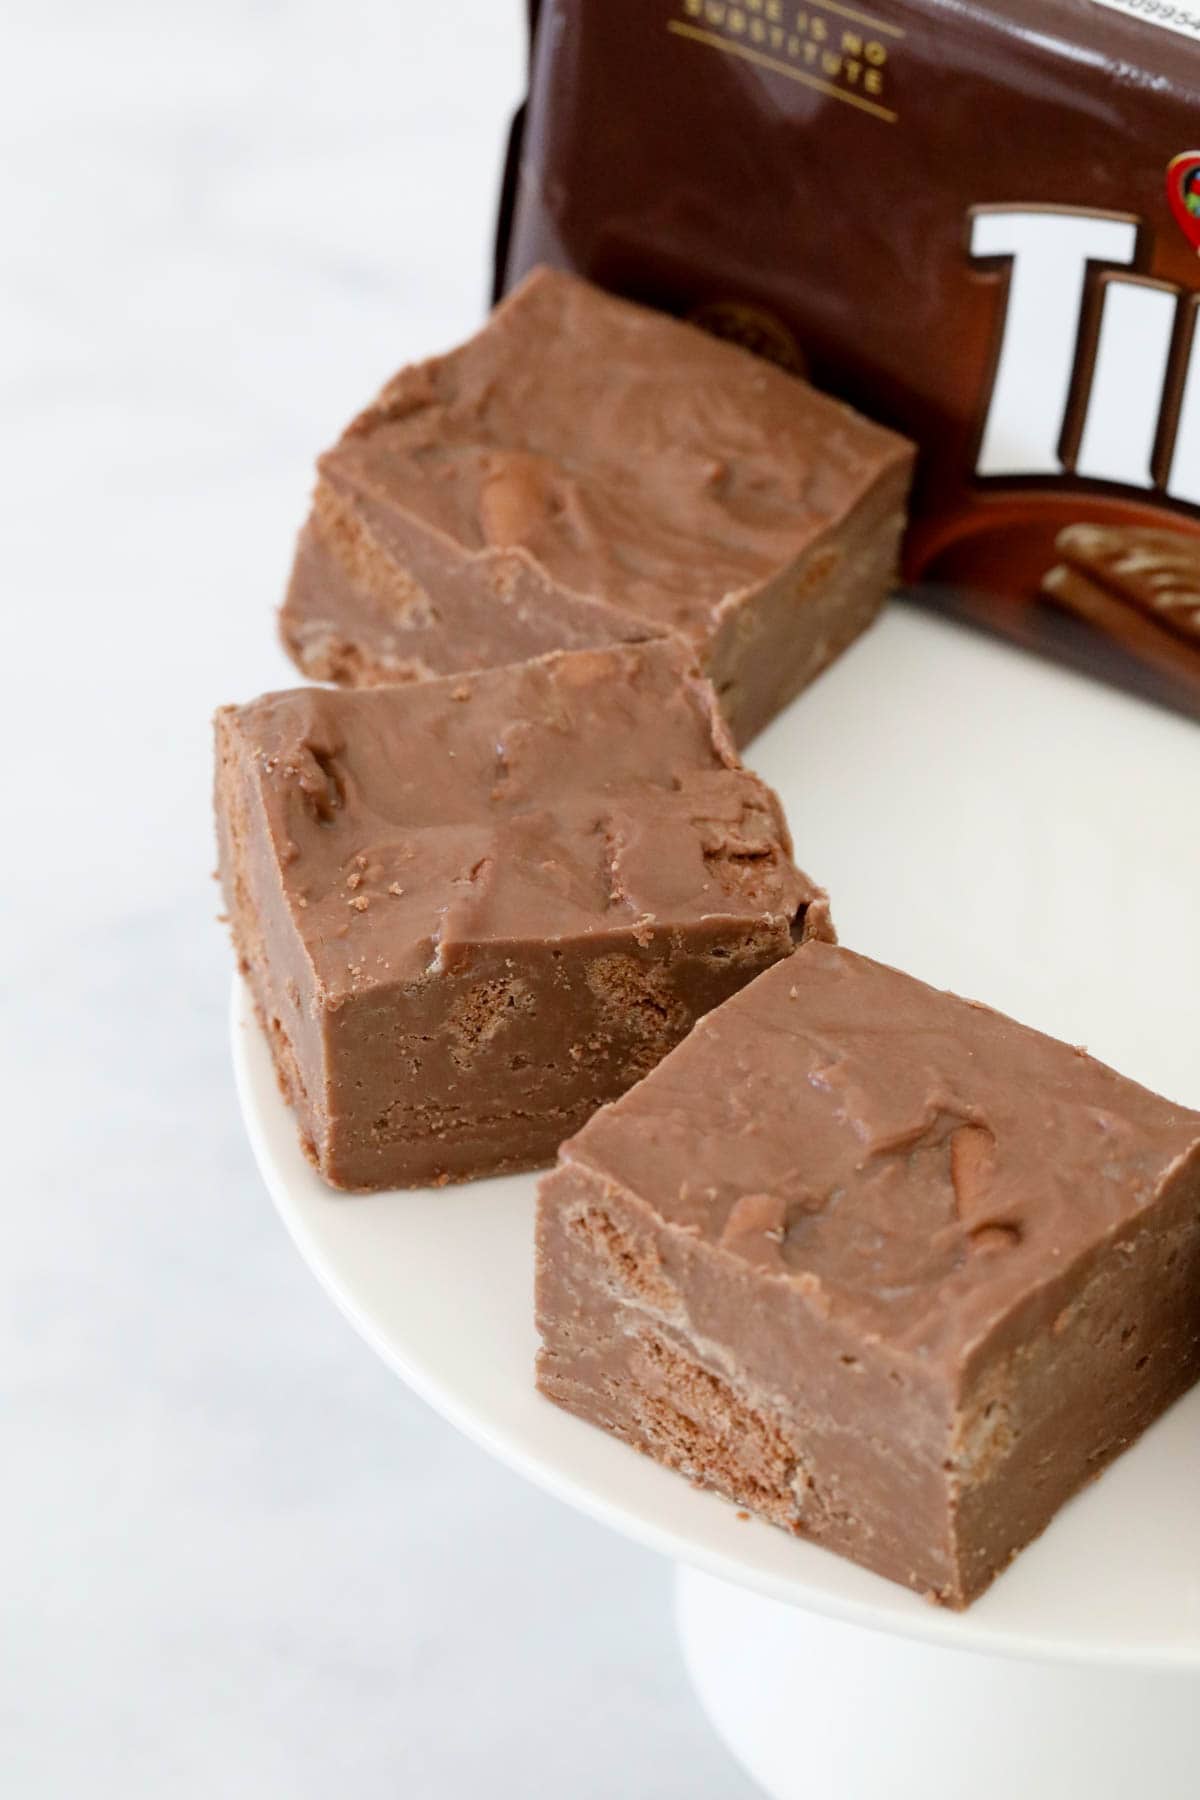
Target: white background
[(236, 1558)]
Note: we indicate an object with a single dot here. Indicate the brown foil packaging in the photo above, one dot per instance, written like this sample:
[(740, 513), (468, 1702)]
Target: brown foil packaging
[(978, 226)]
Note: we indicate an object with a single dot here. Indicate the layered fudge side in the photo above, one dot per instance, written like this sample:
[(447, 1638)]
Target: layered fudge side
[(586, 470), (878, 1263), (473, 909)]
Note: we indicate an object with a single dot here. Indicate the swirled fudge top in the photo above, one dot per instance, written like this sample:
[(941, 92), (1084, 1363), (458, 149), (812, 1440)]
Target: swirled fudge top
[(581, 794), (915, 1163)]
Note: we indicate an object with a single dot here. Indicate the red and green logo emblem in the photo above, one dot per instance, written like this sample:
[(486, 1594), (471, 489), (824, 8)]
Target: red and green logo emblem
[(1183, 192)]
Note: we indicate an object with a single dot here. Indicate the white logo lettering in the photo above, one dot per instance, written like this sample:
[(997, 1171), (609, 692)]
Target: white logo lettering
[(1050, 254), (1183, 483), (1121, 423)]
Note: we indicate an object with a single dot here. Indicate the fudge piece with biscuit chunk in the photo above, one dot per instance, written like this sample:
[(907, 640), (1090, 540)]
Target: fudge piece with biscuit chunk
[(587, 471), (473, 909), (877, 1263)]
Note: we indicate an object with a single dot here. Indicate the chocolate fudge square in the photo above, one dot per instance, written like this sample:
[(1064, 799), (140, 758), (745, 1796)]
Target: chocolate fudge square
[(471, 910), (877, 1263), (587, 471)]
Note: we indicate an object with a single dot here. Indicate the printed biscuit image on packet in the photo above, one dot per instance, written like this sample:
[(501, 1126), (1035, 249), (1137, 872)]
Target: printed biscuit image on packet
[(1140, 587)]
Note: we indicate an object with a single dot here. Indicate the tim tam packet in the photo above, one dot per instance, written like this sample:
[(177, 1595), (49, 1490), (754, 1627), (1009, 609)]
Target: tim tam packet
[(978, 225)]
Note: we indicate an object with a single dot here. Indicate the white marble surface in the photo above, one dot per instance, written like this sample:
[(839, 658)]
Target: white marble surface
[(236, 1558)]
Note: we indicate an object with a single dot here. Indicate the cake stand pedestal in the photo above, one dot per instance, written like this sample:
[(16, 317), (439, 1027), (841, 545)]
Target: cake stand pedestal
[(1006, 829), (815, 1709)]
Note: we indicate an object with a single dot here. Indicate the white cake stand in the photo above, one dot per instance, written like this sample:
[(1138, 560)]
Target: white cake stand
[(1007, 829)]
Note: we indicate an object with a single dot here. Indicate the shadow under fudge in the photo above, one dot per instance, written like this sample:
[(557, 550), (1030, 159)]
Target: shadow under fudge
[(473, 909), (878, 1263), (585, 471)]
